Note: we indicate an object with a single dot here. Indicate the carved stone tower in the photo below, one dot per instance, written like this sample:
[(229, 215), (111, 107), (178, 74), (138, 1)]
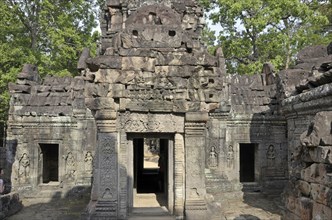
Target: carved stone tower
[(160, 81)]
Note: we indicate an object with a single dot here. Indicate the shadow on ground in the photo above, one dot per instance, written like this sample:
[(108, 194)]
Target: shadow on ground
[(68, 206), (258, 200)]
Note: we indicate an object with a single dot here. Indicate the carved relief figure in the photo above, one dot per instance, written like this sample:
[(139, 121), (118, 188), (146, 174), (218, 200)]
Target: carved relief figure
[(88, 162), (230, 157), (107, 194), (70, 165), (271, 156), (24, 168), (213, 158)]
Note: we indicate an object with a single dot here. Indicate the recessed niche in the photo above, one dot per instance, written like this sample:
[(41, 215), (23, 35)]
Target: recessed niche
[(135, 33), (171, 33)]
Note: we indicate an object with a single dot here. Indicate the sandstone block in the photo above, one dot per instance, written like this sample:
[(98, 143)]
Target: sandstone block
[(321, 154), (321, 194), (319, 131), (316, 173), (106, 75), (304, 187), (104, 62), (99, 103), (14, 88), (138, 63), (321, 212)]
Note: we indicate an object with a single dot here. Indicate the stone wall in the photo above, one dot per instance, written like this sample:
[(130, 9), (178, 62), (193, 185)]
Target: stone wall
[(51, 113), (308, 111), (153, 77)]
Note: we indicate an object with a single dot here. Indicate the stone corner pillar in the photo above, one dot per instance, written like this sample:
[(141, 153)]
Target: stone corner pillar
[(195, 136), (104, 194)]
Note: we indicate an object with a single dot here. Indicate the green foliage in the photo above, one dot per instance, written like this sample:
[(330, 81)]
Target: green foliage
[(48, 33), (259, 31)]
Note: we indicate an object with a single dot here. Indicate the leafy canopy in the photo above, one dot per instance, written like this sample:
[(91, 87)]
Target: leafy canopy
[(48, 33), (258, 31)]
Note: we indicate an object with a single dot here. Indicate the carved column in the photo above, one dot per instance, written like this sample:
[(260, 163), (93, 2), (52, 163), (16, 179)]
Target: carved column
[(104, 195), (195, 132)]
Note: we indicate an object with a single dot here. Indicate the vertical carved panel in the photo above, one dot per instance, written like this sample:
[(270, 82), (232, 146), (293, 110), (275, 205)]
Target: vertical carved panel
[(195, 165), (179, 174), (108, 175)]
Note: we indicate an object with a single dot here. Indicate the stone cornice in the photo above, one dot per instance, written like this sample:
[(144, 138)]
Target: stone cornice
[(311, 101)]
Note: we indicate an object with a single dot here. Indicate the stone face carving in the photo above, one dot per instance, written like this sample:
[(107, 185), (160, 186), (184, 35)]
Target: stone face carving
[(24, 169), (271, 156)]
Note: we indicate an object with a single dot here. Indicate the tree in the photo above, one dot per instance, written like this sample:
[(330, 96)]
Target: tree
[(259, 31), (48, 33)]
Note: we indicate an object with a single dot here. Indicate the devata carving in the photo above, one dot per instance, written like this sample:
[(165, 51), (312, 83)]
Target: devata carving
[(88, 159), (70, 166), (213, 158), (24, 169), (271, 156), (230, 157)]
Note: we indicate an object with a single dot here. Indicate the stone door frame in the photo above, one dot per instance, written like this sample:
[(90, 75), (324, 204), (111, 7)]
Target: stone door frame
[(162, 125), (170, 177), (39, 165)]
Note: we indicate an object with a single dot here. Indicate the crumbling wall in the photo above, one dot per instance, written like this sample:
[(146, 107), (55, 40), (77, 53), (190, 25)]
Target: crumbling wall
[(308, 111), (51, 111)]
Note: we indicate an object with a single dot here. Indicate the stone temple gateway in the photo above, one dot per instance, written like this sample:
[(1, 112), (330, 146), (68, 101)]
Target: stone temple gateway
[(220, 134)]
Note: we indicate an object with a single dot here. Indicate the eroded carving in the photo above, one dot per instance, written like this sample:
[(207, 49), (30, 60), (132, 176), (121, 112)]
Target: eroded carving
[(230, 157), (70, 166), (213, 158), (88, 159), (271, 156), (24, 169)]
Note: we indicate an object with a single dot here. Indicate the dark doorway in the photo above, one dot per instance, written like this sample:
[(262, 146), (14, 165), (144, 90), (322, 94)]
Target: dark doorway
[(50, 155), (247, 162), (150, 165)]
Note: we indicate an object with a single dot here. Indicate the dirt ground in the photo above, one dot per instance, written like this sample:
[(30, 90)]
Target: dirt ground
[(253, 207)]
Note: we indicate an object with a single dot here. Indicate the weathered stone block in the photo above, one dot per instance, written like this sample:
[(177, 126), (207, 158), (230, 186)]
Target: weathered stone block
[(96, 90), (14, 88), (106, 75), (118, 91), (304, 187), (311, 52), (321, 212), (319, 132), (138, 63), (321, 154), (99, 103), (77, 84), (104, 62), (316, 173), (321, 194)]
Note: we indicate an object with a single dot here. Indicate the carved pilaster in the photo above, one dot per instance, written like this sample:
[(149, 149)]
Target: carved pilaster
[(104, 196), (195, 129), (179, 175)]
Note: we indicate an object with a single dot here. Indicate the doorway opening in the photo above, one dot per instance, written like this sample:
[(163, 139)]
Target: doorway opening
[(150, 172), (247, 162), (50, 162)]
